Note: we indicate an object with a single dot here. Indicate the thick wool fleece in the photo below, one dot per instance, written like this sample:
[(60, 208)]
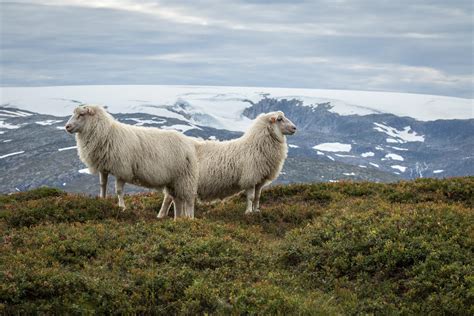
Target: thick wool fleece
[(247, 163), (144, 156), (228, 167)]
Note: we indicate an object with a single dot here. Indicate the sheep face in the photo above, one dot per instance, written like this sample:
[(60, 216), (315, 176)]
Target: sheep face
[(79, 119), (281, 124)]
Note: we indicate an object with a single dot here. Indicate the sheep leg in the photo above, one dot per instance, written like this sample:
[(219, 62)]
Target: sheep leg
[(103, 178), (165, 206), (258, 192), (178, 208), (119, 184), (189, 208), (250, 196)]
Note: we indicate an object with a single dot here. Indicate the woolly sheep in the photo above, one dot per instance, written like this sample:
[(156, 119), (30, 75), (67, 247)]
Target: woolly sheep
[(246, 163), (144, 156)]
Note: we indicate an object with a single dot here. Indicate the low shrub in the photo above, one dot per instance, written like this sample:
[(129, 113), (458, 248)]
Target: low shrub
[(329, 249), (62, 208), (415, 260), (35, 194)]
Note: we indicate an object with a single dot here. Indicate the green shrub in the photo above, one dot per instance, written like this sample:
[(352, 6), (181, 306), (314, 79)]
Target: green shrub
[(274, 218), (35, 194), (426, 190), (63, 208), (415, 260), (361, 189), (329, 249)]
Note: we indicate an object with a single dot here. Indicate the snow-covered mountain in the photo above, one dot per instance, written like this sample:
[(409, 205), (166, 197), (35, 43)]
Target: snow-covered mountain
[(377, 136), (222, 107)]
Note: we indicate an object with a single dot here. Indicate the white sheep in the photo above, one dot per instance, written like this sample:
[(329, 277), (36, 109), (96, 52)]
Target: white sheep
[(144, 156), (246, 163)]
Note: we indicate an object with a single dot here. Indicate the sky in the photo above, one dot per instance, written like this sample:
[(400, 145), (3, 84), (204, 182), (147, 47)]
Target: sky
[(417, 46)]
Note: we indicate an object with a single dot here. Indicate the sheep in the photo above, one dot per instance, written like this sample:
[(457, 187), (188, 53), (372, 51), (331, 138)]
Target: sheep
[(144, 156), (246, 163)]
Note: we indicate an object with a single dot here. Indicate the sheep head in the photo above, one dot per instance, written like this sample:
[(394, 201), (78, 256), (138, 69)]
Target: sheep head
[(80, 118), (281, 124)]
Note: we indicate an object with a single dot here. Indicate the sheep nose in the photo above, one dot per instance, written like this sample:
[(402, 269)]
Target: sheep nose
[(68, 127)]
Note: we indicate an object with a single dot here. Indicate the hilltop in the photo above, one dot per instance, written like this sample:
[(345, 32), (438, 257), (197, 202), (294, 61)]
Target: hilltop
[(327, 248)]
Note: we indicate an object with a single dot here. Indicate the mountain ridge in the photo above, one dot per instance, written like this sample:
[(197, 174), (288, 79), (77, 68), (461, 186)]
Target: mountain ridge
[(59, 100), (328, 146)]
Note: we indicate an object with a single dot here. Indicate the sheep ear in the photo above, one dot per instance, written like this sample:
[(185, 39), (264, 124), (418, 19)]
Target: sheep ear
[(273, 119), (90, 111)]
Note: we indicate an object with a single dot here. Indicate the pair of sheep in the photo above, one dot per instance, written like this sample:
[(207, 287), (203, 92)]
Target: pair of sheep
[(183, 166)]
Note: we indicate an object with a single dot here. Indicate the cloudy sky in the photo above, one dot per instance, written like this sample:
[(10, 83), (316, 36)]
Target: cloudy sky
[(407, 46)]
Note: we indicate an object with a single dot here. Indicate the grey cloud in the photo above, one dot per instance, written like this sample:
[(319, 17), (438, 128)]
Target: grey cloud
[(381, 45)]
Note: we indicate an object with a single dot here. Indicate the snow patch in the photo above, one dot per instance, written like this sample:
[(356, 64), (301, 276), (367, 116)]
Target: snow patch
[(180, 127), (85, 171), (362, 166), (344, 156), (394, 141), (293, 146), (374, 164), (349, 174), (12, 154), (16, 113), (67, 148), (401, 168), (367, 154), (330, 158), (141, 122), (6, 141), (333, 147), (399, 136), (48, 122), (438, 171), (6, 115), (393, 157), (9, 126), (212, 137), (398, 148)]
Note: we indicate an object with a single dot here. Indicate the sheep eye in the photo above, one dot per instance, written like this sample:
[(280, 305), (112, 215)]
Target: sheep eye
[(280, 119)]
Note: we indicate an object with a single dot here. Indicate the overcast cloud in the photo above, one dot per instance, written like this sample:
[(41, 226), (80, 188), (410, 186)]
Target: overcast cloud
[(406, 46)]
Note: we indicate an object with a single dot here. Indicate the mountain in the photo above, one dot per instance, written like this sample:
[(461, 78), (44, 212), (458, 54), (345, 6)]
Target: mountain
[(354, 135), (401, 145)]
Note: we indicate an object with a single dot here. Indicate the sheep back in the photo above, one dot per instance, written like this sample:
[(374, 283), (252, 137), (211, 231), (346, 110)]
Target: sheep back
[(144, 156)]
